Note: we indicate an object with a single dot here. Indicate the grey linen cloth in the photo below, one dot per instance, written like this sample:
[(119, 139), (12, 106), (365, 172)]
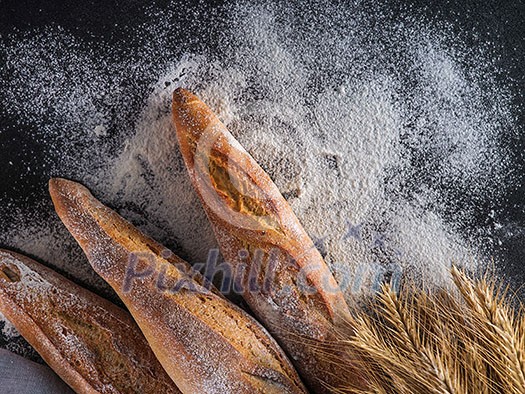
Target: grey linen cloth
[(21, 376)]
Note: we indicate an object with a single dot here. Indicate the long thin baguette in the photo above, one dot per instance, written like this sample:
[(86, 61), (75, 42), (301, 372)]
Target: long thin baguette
[(292, 292), (206, 344), (93, 345)]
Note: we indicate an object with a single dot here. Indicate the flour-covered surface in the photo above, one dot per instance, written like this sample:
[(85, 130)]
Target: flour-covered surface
[(393, 134)]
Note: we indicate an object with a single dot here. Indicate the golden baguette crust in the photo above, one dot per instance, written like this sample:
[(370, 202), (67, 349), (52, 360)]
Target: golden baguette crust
[(297, 297), (92, 344), (206, 344)]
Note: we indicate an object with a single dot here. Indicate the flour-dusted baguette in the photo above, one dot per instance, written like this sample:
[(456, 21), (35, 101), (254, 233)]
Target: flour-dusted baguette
[(286, 282), (92, 344), (206, 344)]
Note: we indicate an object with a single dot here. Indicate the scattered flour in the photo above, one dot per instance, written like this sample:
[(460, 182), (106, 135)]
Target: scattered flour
[(382, 135), (8, 331)]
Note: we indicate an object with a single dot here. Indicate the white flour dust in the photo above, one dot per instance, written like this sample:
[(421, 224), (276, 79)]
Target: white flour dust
[(381, 135)]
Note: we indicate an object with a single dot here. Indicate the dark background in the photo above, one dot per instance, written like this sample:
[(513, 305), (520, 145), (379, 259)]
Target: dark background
[(108, 23)]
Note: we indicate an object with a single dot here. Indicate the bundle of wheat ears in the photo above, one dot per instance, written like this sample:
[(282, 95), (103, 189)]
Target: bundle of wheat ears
[(466, 339)]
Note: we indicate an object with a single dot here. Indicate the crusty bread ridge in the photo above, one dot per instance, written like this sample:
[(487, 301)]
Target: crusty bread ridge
[(206, 344), (92, 344), (298, 299)]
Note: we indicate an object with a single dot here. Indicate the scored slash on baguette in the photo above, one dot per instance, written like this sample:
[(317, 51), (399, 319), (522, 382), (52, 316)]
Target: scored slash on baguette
[(301, 304), (92, 344), (206, 344)]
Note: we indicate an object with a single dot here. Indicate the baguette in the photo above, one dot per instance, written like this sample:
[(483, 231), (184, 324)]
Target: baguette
[(92, 344), (206, 344), (285, 280)]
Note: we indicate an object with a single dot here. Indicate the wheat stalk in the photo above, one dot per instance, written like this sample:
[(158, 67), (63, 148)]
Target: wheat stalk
[(469, 339)]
